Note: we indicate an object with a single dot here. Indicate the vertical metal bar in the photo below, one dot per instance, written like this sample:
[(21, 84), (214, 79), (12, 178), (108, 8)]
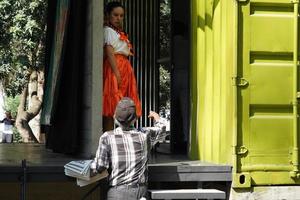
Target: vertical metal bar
[(156, 70), (141, 24), (147, 55), (152, 58), (139, 40), (23, 180), (143, 53), (295, 172), (153, 66), (235, 100)]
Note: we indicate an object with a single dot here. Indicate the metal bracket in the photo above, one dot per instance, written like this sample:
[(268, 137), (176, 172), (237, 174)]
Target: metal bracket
[(23, 180), (240, 1), (241, 180), (241, 150), (240, 82)]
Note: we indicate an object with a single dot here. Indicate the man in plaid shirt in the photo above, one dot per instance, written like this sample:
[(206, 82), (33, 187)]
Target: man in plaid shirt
[(124, 151)]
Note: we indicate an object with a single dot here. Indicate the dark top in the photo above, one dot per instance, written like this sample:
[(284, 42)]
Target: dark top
[(7, 121)]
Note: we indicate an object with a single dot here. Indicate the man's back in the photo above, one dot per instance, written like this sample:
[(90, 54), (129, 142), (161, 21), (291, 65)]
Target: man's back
[(124, 152), (127, 153)]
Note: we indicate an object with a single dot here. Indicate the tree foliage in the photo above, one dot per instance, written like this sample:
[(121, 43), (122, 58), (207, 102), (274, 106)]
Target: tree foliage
[(164, 92), (164, 42), (165, 28), (22, 27), (11, 104)]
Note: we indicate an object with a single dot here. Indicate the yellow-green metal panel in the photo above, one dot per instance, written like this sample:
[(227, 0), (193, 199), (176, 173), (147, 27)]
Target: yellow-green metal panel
[(267, 86), (261, 127), (195, 24), (211, 84)]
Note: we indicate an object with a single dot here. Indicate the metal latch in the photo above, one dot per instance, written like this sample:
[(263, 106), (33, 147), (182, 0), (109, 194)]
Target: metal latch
[(240, 82), (241, 150)]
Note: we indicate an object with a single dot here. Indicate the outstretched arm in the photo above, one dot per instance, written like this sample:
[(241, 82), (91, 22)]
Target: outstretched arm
[(158, 131)]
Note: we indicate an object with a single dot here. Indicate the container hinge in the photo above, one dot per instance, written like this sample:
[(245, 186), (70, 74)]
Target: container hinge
[(294, 1), (241, 150), (298, 95), (240, 82)]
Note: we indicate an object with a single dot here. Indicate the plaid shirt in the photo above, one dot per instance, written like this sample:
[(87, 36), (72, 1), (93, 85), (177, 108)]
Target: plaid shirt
[(125, 153)]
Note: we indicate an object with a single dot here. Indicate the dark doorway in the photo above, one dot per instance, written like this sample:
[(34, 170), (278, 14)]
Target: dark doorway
[(180, 59)]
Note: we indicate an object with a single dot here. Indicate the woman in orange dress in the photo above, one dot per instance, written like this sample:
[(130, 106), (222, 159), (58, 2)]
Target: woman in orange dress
[(119, 80)]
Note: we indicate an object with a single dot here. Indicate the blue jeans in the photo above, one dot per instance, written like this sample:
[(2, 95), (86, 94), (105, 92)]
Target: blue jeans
[(7, 138), (125, 192)]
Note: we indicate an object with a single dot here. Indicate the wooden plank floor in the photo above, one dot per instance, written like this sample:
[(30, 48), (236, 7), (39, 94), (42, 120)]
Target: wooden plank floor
[(44, 165), (35, 154)]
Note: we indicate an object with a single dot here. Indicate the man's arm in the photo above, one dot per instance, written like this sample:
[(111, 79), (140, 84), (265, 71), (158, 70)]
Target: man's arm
[(158, 130), (101, 162)]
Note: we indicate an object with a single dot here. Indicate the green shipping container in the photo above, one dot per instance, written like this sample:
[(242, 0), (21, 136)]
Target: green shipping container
[(245, 88)]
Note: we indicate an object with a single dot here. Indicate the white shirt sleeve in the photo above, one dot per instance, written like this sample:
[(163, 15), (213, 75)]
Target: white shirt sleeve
[(157, 132), (110, 36)]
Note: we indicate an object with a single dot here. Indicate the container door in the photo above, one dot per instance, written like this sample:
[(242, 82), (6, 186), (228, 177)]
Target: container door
[(266, 85)]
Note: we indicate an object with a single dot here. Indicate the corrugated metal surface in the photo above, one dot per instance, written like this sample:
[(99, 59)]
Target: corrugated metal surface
[(141, 23), (211, 86), (245, 87)]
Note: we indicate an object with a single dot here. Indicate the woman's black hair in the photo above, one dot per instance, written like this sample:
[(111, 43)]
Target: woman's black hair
[(111, 5)]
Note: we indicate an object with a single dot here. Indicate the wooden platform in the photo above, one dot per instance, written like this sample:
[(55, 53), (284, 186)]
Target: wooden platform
[(44, 165)]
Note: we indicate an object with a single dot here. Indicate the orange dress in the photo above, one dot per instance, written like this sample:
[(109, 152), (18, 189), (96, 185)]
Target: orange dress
[(112, 93)]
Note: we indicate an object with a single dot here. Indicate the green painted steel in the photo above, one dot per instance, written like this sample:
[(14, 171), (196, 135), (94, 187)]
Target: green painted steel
[(267, 104), (211, 84), (245, 88)]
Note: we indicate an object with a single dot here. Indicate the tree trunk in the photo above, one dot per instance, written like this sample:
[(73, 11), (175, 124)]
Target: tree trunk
[(35, 122), (2, 111), (24, 116)]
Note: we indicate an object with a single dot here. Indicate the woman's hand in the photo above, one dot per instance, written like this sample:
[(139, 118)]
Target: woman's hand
[(119, 80), (109, 51)]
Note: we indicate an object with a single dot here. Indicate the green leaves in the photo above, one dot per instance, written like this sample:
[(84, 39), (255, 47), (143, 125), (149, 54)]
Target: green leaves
[(165, 86), (22, 28), (165, 28), (164, 43)]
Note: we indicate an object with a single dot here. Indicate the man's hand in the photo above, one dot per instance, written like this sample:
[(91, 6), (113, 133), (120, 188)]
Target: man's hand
[(93, 169), (153, 115)]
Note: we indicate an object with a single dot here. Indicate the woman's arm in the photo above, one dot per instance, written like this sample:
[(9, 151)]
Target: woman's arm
[(109, 51)]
